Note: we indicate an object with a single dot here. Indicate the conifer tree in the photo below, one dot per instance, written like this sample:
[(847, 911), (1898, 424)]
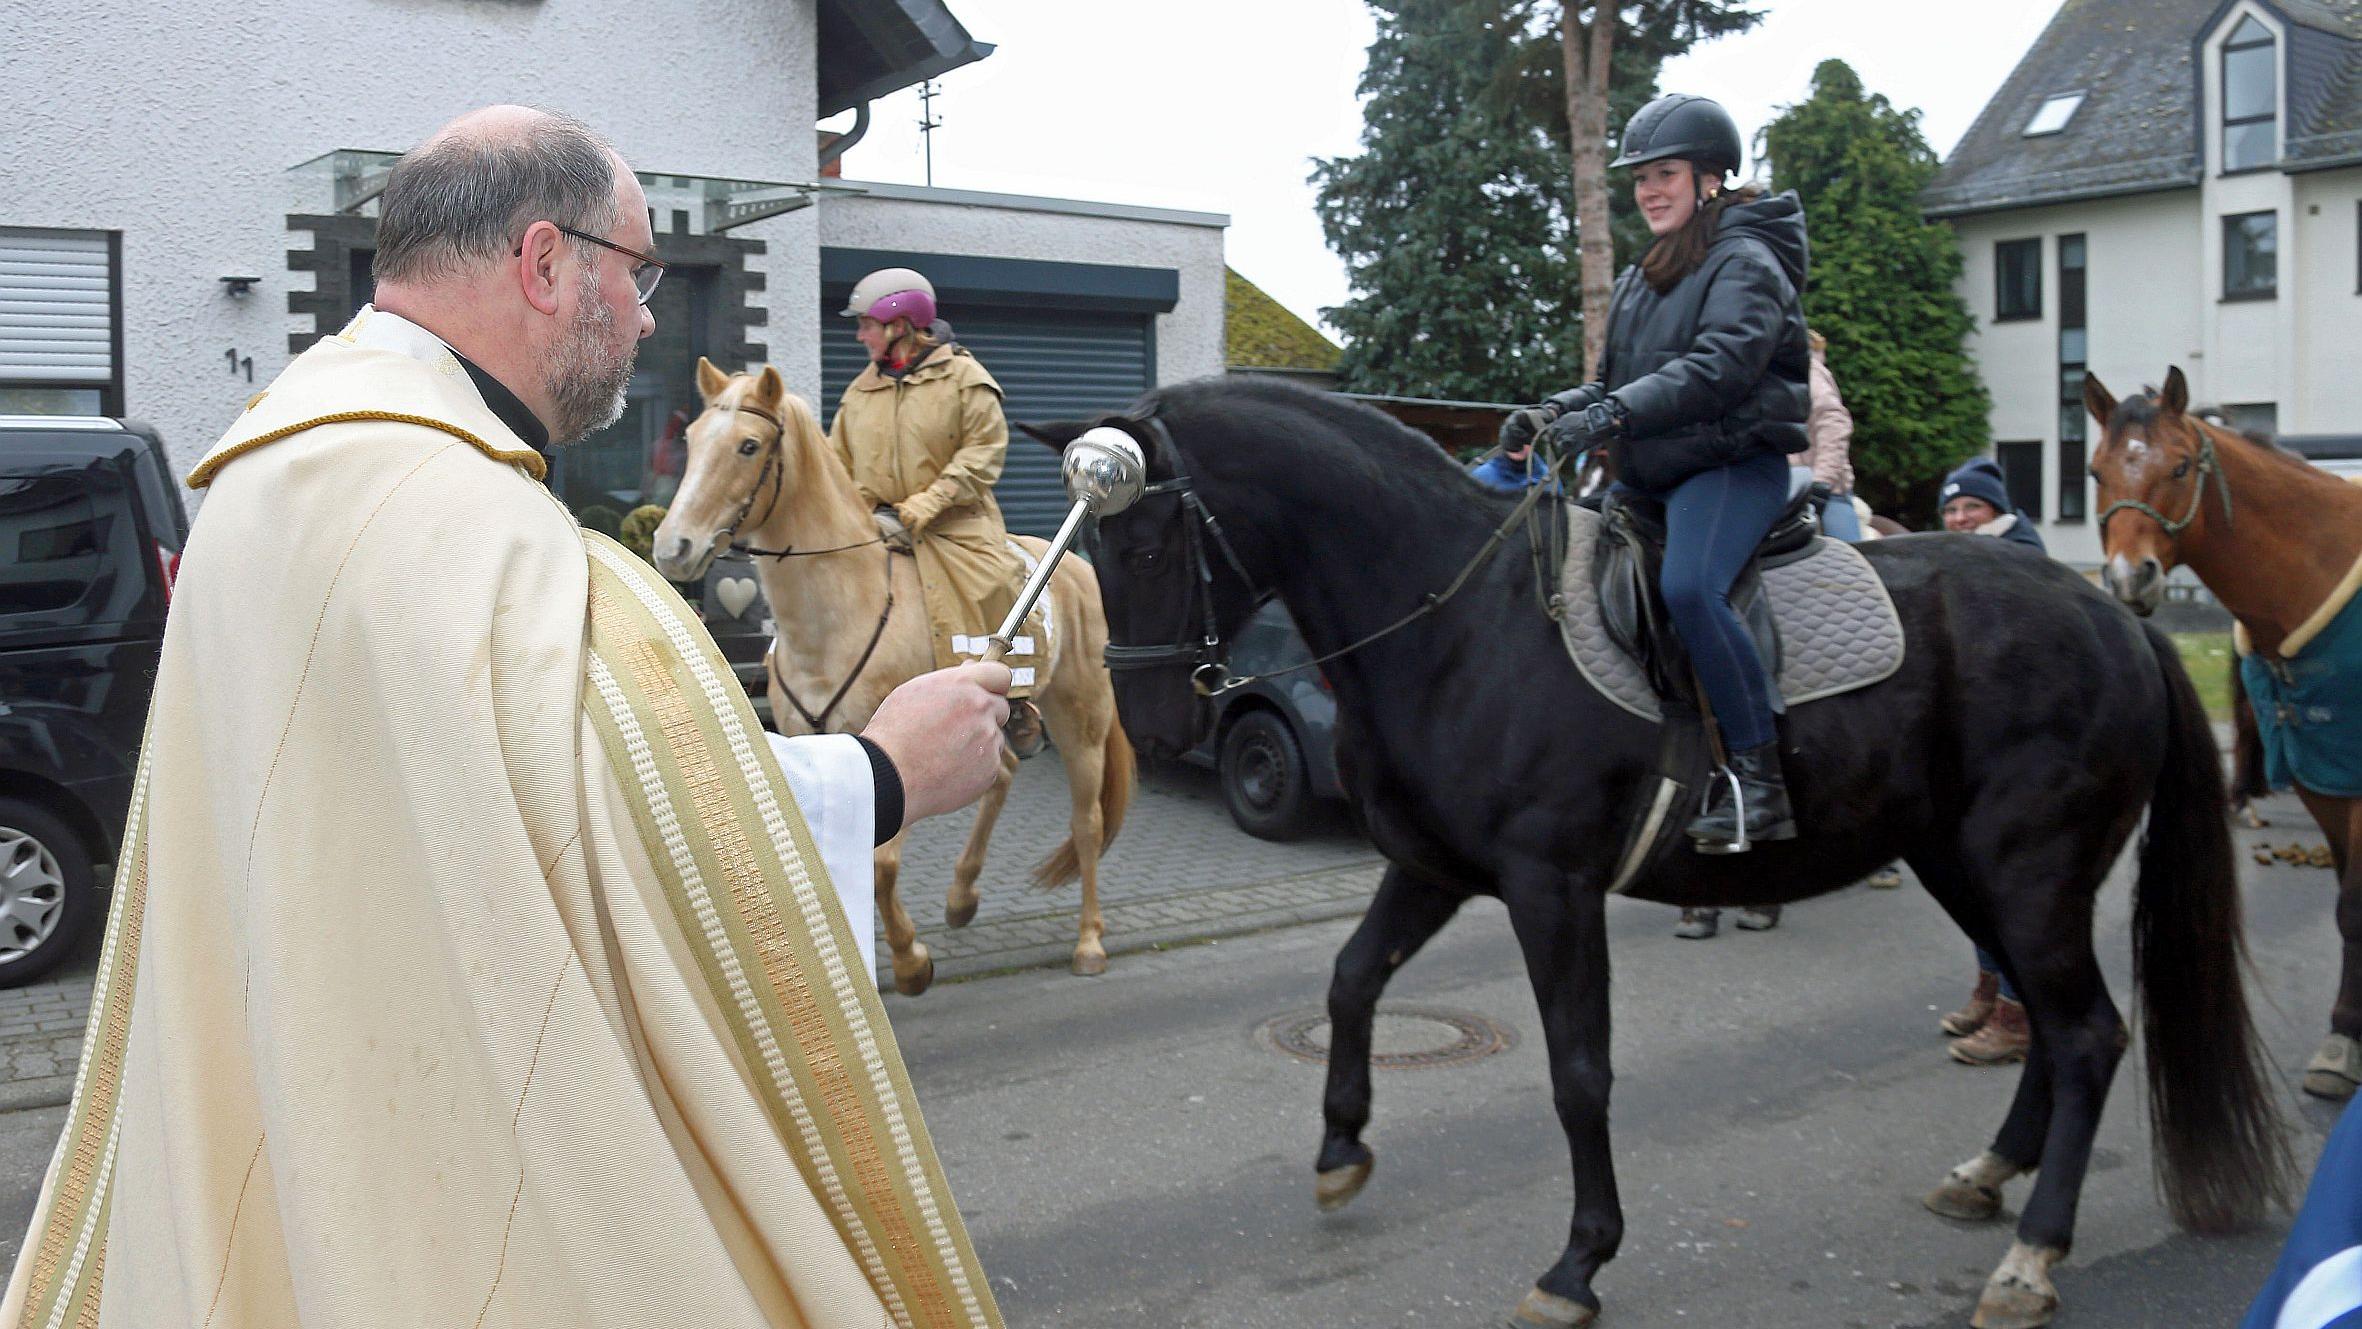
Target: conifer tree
[(1882, 289)]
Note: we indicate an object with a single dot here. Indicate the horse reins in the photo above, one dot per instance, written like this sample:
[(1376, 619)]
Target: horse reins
[(1210, 658), (2209, 467), (774, 474)]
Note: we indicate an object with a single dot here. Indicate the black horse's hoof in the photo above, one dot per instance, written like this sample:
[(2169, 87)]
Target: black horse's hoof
[(1335, 1187), (1548, 1310)]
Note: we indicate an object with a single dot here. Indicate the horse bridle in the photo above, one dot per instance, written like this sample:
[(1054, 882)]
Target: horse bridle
[(1209, 656), (774, 474), (2210, 467)]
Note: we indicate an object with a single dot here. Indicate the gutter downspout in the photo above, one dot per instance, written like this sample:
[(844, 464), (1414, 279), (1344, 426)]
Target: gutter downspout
[(838, 146)]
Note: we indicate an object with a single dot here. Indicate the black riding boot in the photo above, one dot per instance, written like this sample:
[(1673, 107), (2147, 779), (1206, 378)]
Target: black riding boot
[(1760, 805)]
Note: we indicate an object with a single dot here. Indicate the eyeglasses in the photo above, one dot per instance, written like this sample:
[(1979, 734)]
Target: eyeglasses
[(644, 277)]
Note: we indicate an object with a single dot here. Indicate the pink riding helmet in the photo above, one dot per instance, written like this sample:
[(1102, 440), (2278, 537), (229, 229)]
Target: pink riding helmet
[(892, 293)]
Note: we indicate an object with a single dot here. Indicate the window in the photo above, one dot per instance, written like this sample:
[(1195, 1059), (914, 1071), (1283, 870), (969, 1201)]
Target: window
[(2054, 114), (2017, 279), (2251, 248), (60, 322), (2262, 417), (2074, 354), (2251, 97), (2021, 472)]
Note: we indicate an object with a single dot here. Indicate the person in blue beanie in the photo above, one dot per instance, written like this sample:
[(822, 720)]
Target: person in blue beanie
[(1514, 470)]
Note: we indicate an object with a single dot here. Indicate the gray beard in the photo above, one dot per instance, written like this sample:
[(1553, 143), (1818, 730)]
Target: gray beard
[(586, 381)]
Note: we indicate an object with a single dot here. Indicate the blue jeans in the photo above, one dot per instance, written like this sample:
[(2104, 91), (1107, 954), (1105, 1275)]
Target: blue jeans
[(1987, 964), (1840, 521), (1713, 522)]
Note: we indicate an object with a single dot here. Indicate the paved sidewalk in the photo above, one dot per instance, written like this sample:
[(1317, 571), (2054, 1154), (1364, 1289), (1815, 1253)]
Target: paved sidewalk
[(1179, 871)]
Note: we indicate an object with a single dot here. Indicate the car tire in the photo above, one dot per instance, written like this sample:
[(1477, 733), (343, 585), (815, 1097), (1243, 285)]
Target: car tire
[(48, 891), (1266, 783)]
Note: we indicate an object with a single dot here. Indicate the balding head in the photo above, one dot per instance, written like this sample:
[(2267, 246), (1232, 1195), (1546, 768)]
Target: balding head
[(462, 198)]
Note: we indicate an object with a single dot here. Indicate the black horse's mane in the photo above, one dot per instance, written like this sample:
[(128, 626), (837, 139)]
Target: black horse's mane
[(1359, 439)]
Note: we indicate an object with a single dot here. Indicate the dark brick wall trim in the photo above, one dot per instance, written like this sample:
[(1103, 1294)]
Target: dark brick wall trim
[(724, 318), (330, 260)]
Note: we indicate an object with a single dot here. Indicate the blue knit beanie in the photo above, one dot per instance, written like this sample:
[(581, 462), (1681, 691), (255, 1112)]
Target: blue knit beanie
[(1977, 479)]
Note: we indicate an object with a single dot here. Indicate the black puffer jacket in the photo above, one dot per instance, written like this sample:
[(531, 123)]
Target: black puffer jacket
[(1718, 368)]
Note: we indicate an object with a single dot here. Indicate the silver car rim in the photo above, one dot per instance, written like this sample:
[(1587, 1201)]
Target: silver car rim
[(32, 894)]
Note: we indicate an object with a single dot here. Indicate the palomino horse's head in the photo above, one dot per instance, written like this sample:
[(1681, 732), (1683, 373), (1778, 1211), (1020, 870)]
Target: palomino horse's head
[(2154, 465), (741, 455)]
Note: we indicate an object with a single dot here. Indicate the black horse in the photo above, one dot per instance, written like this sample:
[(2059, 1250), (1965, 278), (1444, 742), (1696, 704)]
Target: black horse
[(2032, 724)]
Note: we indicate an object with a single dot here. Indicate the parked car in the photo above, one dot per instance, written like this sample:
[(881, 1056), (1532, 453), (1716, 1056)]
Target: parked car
[(1273, 743), (91, 529)]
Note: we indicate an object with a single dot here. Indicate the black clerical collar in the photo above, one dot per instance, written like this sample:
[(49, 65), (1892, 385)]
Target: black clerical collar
[(508, 406)]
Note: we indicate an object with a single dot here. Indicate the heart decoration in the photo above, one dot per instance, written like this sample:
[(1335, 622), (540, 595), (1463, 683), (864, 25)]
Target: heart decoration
[(735, 594)]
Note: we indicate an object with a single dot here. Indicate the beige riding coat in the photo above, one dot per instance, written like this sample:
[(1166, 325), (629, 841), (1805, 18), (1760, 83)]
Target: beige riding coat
[(932, 443)]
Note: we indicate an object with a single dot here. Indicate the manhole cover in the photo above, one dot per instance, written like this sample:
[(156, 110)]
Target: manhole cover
[(1401, 1037)]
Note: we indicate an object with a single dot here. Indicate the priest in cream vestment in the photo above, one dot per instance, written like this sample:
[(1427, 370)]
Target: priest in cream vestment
[(474, 960)]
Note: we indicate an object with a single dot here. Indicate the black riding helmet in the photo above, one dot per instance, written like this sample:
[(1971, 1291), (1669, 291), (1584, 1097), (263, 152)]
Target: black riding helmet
[(1694, 129)]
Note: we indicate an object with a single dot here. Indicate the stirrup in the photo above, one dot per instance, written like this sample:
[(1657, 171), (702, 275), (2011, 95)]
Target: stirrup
[(1738, 843)]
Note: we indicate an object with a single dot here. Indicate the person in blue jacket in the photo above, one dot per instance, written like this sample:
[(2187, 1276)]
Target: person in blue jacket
[(1513, 470)]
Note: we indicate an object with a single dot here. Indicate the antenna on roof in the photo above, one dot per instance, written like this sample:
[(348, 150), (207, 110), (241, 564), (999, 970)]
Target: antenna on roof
[(928, 124)]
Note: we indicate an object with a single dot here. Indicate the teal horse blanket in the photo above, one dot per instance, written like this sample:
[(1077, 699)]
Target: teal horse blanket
[(2308, 708)]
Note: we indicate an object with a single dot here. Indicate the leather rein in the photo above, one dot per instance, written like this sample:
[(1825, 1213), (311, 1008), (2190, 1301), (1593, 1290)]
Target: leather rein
[(1209, 655), (774, 476)]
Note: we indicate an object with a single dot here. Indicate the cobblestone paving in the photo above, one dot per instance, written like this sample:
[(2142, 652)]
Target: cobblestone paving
[(1180, 871)]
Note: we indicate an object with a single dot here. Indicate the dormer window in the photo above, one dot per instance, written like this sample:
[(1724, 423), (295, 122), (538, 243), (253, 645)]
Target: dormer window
[(2251, 97), (2054, 115)]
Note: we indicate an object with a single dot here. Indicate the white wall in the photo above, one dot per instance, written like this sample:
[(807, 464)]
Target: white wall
[(2139, 312), (2327, 253), (175, 124), (1189, 339)]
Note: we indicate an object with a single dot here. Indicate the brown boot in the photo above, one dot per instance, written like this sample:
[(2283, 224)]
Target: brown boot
[(2003, 1039), (1970, 1018)]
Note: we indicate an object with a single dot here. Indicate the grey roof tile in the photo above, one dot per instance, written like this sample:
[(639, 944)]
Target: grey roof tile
[(2136, 130)]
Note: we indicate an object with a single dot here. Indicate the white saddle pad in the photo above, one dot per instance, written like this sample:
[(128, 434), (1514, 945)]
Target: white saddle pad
[(1838, 626)]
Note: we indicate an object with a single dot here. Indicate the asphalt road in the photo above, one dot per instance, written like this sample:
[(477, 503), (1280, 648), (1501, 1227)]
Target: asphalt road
[(1128, 1153)]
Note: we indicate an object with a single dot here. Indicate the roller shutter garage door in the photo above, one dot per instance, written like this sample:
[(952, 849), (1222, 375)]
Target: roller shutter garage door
[(57, 319), (1051, 364)]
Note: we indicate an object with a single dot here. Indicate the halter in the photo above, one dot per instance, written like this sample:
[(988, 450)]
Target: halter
[(2209, 467), (1209, 655), (774, 473)]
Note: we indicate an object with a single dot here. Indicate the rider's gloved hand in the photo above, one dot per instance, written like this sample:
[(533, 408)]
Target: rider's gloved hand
[(890, 527), (1523, 424), (922, 508)]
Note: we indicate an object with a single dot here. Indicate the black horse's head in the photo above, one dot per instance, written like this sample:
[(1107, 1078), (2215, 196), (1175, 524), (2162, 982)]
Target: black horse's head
[(1171, 588)]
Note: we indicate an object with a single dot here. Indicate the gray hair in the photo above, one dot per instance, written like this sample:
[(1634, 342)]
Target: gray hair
[(466, 197)]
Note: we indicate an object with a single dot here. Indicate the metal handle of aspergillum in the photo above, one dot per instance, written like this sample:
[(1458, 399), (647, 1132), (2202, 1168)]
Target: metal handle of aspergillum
[(1104, 475)]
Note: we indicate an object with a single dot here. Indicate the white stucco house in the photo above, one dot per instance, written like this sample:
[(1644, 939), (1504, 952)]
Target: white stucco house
[(187, 199), (2164, 182)]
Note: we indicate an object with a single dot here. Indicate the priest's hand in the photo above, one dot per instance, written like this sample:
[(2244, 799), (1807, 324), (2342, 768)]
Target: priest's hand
[(943, 732)]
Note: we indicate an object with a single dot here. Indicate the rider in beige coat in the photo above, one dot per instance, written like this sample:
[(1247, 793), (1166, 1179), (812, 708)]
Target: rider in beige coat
[(922, 433)]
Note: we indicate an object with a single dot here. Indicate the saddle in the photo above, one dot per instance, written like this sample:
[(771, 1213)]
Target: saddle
[(1626, 566)]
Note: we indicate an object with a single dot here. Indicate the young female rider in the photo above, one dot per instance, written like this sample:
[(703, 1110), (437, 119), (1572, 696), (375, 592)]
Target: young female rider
[(1702, 394)]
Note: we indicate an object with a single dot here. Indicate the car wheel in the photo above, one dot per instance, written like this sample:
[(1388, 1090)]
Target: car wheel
[(48, 891), (1265, 782)]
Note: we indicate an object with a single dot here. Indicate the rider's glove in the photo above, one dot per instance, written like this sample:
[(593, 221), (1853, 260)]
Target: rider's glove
[(922, 508), (890, 528), (1519, 429)]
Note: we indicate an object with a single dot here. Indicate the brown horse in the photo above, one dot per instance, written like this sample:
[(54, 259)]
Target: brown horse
[(2278, 541), (760, 472)]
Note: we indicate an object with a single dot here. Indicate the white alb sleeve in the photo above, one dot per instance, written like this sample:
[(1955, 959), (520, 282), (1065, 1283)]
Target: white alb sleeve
[(829, 776)]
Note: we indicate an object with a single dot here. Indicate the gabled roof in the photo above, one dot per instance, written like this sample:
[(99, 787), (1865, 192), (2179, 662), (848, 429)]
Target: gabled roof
[(2131, 61), (1261, 333), (2138, 128), (869, 48)]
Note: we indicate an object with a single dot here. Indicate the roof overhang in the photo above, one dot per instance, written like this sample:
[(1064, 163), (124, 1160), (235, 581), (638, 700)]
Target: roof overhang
[(2032, 199), (869, 48)]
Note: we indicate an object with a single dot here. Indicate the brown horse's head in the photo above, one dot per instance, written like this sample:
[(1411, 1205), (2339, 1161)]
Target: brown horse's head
[(2153, 468), (741, 454)]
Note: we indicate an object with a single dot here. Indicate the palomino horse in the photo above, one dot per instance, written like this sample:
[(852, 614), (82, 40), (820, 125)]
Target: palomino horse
[(852, 626), (2277, 541), (1483, 764)]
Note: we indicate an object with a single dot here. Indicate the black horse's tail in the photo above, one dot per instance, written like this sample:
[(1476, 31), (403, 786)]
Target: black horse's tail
[(2221, 1158)]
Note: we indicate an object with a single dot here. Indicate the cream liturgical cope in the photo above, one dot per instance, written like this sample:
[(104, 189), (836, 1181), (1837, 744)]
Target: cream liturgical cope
[(472, 960)]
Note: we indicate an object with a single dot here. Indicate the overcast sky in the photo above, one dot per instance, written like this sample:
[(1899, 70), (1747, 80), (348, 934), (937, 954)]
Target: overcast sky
[(1221, 105)]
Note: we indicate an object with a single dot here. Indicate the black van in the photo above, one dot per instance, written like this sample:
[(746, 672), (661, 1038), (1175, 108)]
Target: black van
[(91, 529)]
